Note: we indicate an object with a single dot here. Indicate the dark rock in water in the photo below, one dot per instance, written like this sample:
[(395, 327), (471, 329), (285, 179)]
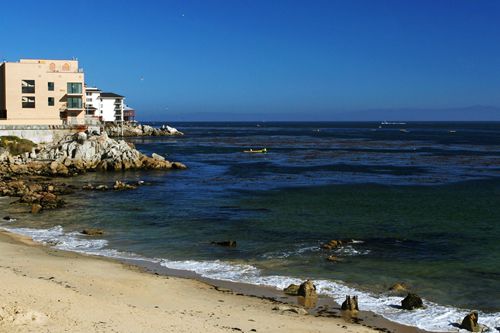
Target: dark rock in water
[(334, 243), (412, 301), (6, 218), (307, 289), (92, 232), (101, 187), (333, 258), (350, 304), (36, 208), (469, 323), (292, 289), (229, 243)]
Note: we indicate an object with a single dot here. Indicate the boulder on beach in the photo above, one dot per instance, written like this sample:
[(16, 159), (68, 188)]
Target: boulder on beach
[(350, 304), (469, 323), (92, 232), (228, 243), (412, 301), (307, 289), (292, 290)]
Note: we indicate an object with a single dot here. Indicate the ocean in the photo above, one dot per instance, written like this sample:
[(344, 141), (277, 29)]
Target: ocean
[(421, 201)]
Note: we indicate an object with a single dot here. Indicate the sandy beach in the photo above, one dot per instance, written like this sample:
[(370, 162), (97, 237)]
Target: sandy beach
[(45, 290)]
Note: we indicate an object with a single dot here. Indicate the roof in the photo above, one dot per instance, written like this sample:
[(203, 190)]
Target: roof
[(127, 108), (109, 94), (92, 89)]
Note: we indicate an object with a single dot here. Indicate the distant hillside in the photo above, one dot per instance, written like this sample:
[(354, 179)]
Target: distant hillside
[(470, 113)]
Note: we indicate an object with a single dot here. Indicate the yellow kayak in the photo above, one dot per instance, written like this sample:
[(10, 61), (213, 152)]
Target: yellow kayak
[(261, 151)]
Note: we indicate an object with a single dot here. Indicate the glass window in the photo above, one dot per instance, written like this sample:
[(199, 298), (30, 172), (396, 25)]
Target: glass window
[(74, 88), (28, 86), (51, 101), (28, 102), (51, 86), (74, 102)]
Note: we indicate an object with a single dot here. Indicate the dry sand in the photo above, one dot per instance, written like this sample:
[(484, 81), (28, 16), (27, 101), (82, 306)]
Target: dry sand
[(44, 290)]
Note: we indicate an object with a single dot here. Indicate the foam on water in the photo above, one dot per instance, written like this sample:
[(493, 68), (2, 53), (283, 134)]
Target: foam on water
[(434, 317)]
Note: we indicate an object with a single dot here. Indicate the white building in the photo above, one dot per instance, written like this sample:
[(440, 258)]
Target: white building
[(111, 107), (104, 106)]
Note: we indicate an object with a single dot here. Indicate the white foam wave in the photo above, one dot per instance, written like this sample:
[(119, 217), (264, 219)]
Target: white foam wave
[(287, 254), (434, 317)]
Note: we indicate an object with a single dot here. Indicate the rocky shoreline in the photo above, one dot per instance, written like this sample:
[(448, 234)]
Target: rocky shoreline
[(136, 129), (28, 175)]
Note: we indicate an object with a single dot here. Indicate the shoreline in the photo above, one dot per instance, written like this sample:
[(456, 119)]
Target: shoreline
[(49, 290)]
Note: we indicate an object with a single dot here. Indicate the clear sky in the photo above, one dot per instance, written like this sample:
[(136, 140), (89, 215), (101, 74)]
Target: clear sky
[(280, 58)]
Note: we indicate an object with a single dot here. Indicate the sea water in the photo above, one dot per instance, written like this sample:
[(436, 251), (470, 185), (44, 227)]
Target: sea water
[(422, 206)]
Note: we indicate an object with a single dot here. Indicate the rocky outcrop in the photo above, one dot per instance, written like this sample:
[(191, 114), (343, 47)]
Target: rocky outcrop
[(307, 289), (412, 301), (350, 304), (469, 323), (128, 130), (78, 153), (36, 192)]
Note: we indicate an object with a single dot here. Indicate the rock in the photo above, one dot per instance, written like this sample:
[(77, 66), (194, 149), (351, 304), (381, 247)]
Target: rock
[(81, 137), (412, 301), (123, 186), (469, 323), (88, 186), (229, 243), (307, 289), (350, 304), (36, 208), (332, 244), (399, 288), (333, 258), (290, 309), (292, 289), (50, 200), (101, 187), (92, 232), (158, 157), (6, 218)]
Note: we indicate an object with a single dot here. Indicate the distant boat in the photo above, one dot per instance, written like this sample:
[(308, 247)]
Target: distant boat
[(392, 123), (404, 130), (256, 151), (452, 131)]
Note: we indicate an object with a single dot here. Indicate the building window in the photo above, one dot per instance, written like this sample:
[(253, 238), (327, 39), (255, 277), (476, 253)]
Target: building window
[(51, 86), (28, 86), (28, 102), (51, 101), (74, 88), (74, 102)]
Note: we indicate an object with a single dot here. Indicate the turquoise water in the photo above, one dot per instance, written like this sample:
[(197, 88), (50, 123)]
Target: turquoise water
[(423, 205)]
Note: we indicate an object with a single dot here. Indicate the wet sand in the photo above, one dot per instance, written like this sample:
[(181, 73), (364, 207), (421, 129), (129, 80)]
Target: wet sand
[(46, 290)]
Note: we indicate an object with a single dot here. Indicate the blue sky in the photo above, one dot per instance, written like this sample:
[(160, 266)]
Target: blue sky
[(279, 59)]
